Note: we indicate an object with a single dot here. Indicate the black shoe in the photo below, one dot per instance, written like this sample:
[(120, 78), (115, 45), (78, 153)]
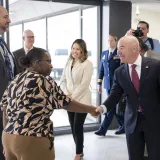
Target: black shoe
[(98, 133), (120, 131), (145, 158)]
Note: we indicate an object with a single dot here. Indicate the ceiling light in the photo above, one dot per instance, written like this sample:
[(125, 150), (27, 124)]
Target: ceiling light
[(137, 10)]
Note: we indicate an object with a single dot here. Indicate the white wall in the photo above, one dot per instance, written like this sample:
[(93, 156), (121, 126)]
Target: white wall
[(152, 17), (105, 28)]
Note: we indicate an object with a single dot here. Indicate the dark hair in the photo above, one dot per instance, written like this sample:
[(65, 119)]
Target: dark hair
[(143, 22), (83, 48), (115, 37), (33, 55), (142, 45)]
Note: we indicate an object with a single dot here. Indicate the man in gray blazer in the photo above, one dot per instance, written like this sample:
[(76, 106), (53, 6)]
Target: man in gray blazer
[(7, 65), (28, 38)]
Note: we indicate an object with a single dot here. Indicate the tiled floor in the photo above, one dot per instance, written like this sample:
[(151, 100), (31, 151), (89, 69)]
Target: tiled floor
[(110, 147)]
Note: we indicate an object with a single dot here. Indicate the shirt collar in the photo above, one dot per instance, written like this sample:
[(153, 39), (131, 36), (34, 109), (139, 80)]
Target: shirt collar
[(111, 50), (144, 40), (145, 54), (26, 49), (138, 61)]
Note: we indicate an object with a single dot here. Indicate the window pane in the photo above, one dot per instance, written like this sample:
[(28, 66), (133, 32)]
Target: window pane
[(15, 37), (39, 29), (62, 31), (90, 36)]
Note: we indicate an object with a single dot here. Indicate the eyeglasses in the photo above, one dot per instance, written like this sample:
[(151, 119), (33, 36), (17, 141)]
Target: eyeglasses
[(49, 61), (30, 37)]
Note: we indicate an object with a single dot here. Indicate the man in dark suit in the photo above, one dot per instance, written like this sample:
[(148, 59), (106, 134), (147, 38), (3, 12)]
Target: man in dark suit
[(139, 79), (28, 38), (109, 62), (7, 65)]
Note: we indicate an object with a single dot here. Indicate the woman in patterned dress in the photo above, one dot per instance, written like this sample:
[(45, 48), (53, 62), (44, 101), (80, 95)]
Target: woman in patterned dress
[(27, 105)]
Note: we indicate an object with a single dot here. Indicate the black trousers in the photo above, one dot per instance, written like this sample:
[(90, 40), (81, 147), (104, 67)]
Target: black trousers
[(136, 141), (77, 121)]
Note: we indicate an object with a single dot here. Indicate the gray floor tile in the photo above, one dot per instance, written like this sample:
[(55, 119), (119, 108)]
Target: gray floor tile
[(110, 147)]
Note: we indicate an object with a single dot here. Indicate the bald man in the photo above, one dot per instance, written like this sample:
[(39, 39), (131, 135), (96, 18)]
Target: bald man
[(139, 79), (7, 64), (28, 38)]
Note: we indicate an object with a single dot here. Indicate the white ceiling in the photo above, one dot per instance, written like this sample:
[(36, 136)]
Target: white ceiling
[(21, 10), (150, 6)]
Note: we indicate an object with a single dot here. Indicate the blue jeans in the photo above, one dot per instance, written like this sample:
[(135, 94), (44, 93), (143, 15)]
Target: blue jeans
[(108, 119)]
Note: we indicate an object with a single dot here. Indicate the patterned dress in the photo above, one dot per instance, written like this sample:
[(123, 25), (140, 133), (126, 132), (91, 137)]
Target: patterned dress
[(29, 101)]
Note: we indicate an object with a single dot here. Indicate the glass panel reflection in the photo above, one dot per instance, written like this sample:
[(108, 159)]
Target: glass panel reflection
[(90, 36), (39, 29), (62, 31), (15, 37)]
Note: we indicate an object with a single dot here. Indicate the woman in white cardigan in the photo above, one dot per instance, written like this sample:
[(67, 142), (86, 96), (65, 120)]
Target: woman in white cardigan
[(75, 82)]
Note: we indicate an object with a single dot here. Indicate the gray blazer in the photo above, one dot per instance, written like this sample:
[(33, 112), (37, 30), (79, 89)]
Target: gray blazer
[(152, 54), (17, 54)]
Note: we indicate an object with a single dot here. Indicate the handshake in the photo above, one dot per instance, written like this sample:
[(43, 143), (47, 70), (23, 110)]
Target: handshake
[(97, 111), (75, 106)]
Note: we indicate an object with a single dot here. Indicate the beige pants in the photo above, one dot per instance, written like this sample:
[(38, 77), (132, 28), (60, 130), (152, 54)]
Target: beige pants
[(19, 147)]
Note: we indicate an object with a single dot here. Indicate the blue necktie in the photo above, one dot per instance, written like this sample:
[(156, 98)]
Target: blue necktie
[(110, 55), (7, 59)]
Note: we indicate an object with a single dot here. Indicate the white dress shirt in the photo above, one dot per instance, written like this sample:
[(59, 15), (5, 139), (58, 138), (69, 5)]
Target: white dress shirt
[(27, 50), (145, 54), (111, 51), (138, 63)]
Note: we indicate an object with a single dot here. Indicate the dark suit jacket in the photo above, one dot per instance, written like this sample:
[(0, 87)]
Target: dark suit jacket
[(148, 96), (107, 68), (4, 81), (17, 54), (4, 77)]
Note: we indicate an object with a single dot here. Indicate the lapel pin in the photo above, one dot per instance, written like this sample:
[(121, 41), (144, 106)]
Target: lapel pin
[(147, 67)]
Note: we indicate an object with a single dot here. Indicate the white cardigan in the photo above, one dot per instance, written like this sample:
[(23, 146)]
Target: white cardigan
[(75, 82)]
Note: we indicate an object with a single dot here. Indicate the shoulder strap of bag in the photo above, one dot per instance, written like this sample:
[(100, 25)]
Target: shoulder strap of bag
[(151, 42)]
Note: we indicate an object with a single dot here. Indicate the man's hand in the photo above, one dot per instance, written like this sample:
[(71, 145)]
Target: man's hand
[(68, 95), (94, 113), (99, 109), (130, 32), (99, 89)]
